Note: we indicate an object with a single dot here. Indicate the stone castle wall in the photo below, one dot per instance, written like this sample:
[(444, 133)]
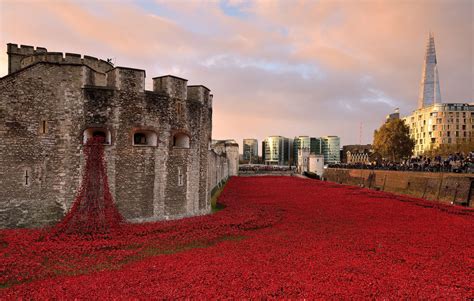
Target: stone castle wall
[(442, 187), (218, 169), (49, 108)]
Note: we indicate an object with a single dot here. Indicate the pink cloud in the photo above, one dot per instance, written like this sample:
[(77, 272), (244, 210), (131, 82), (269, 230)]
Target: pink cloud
[(286, 67)]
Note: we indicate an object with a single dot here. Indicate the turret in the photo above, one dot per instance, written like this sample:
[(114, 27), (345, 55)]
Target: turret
[(199, 93), (170, 85), (122, 78)]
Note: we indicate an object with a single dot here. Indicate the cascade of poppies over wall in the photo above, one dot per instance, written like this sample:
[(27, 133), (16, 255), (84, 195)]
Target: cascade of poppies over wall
[(276, 238), (93, 211)]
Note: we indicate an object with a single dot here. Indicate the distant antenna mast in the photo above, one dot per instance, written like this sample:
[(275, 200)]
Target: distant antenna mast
[(360, 133)]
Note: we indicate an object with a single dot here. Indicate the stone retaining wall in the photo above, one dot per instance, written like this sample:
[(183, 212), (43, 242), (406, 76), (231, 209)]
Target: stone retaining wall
[(442, 187)]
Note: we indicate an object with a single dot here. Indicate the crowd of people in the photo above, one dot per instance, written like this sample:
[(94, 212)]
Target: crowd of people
[(261, 167), (458, 162)]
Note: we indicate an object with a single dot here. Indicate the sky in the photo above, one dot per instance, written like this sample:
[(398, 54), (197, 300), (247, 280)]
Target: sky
[(285, 68)]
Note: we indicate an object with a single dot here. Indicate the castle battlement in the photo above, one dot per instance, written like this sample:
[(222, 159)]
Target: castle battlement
[(105, 74), (24, 49), (171, 85), (157, 143), (199, 93), (123, 78), (65, 58), (22, 56)]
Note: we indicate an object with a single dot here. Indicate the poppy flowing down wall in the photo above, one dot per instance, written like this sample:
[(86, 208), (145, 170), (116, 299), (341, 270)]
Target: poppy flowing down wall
[(93, 210)]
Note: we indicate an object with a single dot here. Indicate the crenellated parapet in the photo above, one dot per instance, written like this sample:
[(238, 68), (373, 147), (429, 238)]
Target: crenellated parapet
[(103, 73), (94, 63), (157, 143), (17, 53), (22, 56), (24, 50)]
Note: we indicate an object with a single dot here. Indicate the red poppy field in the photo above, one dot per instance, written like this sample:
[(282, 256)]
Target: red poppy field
[(277, 237)]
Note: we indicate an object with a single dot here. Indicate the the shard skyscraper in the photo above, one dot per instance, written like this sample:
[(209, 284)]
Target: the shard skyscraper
[(429, 86)]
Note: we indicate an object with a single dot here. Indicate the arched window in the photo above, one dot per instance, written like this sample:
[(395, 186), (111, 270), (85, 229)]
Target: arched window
[(145, 138), (97, 132), (181, 140)]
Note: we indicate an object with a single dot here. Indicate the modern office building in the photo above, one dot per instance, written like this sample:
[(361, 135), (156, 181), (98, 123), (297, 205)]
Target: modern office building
[(331, 149), (276, 150), (394, 115), (327, 146), (433, 123), (299, 143), (316, 146), (250, 150)]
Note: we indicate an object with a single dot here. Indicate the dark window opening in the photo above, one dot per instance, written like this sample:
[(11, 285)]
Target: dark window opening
[(145, 138), (101, 135), (180, 177), (27, 177), (44, 127), (139, 138)]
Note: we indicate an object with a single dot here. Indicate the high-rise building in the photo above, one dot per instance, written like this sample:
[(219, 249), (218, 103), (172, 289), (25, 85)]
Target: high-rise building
[(429, 85), (250, 150), (434, 123), (327, 146), (441, 124), (276, 150), (316, 146), (394, 115), (299, 143), (331, 149)]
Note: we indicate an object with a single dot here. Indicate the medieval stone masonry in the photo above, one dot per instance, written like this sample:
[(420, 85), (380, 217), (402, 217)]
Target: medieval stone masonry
[(157, 143)]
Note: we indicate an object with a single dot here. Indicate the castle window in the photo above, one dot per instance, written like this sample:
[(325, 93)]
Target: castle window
[(139, 138), (181, 140), (180, 177), (26, 177), (44, 127), (98, 132), (145, 138), (179, 109)]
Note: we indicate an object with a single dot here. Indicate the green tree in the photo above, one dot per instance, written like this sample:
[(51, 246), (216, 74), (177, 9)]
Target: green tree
[(392, 140)]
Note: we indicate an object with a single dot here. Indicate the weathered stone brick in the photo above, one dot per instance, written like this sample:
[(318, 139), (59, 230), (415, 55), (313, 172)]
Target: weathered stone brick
[(50, 104)]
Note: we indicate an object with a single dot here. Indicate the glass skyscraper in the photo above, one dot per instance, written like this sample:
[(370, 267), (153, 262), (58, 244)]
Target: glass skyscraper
[(250, 149), (300, 142), (331, 149), (276, 150)]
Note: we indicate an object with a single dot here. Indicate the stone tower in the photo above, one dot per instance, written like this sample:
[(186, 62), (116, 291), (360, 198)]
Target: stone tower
[(429, 86), (156, 142)]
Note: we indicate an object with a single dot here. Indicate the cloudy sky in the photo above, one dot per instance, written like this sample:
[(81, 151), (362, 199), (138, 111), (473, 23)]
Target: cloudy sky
[(275, 67)]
